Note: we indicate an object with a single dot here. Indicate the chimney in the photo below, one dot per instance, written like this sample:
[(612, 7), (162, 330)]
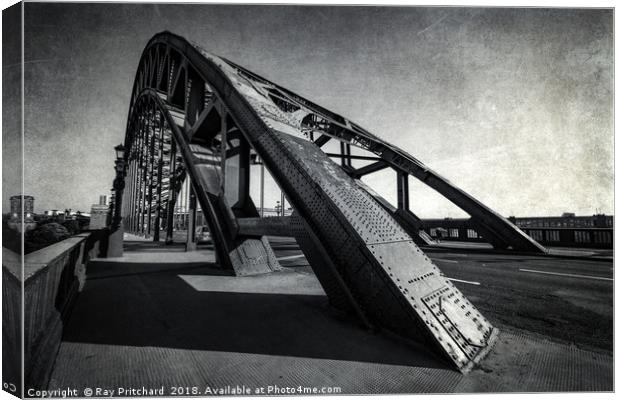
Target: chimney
[(102, 199)]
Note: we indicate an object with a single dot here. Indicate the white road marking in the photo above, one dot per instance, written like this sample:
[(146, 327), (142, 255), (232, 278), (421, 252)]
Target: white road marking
[(444, 260), (290, 257), (569, 275), (458, 255), (458, 280)]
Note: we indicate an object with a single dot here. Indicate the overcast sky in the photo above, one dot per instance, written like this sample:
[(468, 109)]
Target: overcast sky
[(513, 105)]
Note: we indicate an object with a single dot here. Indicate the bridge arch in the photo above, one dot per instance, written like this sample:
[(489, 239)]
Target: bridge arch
[(190, 111), (169, 63)]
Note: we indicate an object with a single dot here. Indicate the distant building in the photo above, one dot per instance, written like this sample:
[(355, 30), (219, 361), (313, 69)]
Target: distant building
[(99, 214), (60, 216), (17, 217), (565, 230), (567, 220)]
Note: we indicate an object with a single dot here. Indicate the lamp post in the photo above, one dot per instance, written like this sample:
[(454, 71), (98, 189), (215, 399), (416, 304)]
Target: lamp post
[(111, 207), (118, 185), (115, 240)]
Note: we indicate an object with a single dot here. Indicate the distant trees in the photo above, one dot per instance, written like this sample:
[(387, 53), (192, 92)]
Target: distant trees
[(73, 226), (11, 239), (45, 235), (50, 229)]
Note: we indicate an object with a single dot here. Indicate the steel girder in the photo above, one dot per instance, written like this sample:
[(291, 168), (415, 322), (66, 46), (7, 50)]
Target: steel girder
[(362, 256)]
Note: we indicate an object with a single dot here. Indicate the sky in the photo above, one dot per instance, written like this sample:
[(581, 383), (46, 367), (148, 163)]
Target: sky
[(515, 106)]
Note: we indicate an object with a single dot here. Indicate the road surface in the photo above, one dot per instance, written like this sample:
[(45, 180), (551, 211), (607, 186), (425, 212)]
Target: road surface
[(568, 299)]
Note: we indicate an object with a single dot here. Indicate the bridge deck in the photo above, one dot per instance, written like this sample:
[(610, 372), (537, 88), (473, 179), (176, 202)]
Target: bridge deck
[(161, 317)]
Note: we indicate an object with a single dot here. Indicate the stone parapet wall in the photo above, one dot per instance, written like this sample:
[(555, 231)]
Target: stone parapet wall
[(52, 277)]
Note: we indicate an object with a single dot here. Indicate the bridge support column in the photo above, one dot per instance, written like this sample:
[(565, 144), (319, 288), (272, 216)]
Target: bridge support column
[(172, 193), (151, 176), (170, 216), (191, 222), (345, 151), (244, 206), (282, 201), (160, 168), (244, 171), (157, 225), (403, 190), (262, 189), (115, 242)]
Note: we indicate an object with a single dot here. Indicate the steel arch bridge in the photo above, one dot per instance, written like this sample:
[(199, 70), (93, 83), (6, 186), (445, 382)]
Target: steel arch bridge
[(192, 113)]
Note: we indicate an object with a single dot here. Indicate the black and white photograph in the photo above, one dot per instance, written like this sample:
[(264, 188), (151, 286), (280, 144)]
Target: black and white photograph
[(243, 199)]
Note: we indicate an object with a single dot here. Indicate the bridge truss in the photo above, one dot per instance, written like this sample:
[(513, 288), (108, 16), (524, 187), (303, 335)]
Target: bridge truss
[(194, 114)]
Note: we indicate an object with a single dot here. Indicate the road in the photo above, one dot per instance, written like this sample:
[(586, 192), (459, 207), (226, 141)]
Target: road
[(567, 299)]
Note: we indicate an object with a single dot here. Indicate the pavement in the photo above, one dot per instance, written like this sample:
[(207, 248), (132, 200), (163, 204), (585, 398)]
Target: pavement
[(165, 318)]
